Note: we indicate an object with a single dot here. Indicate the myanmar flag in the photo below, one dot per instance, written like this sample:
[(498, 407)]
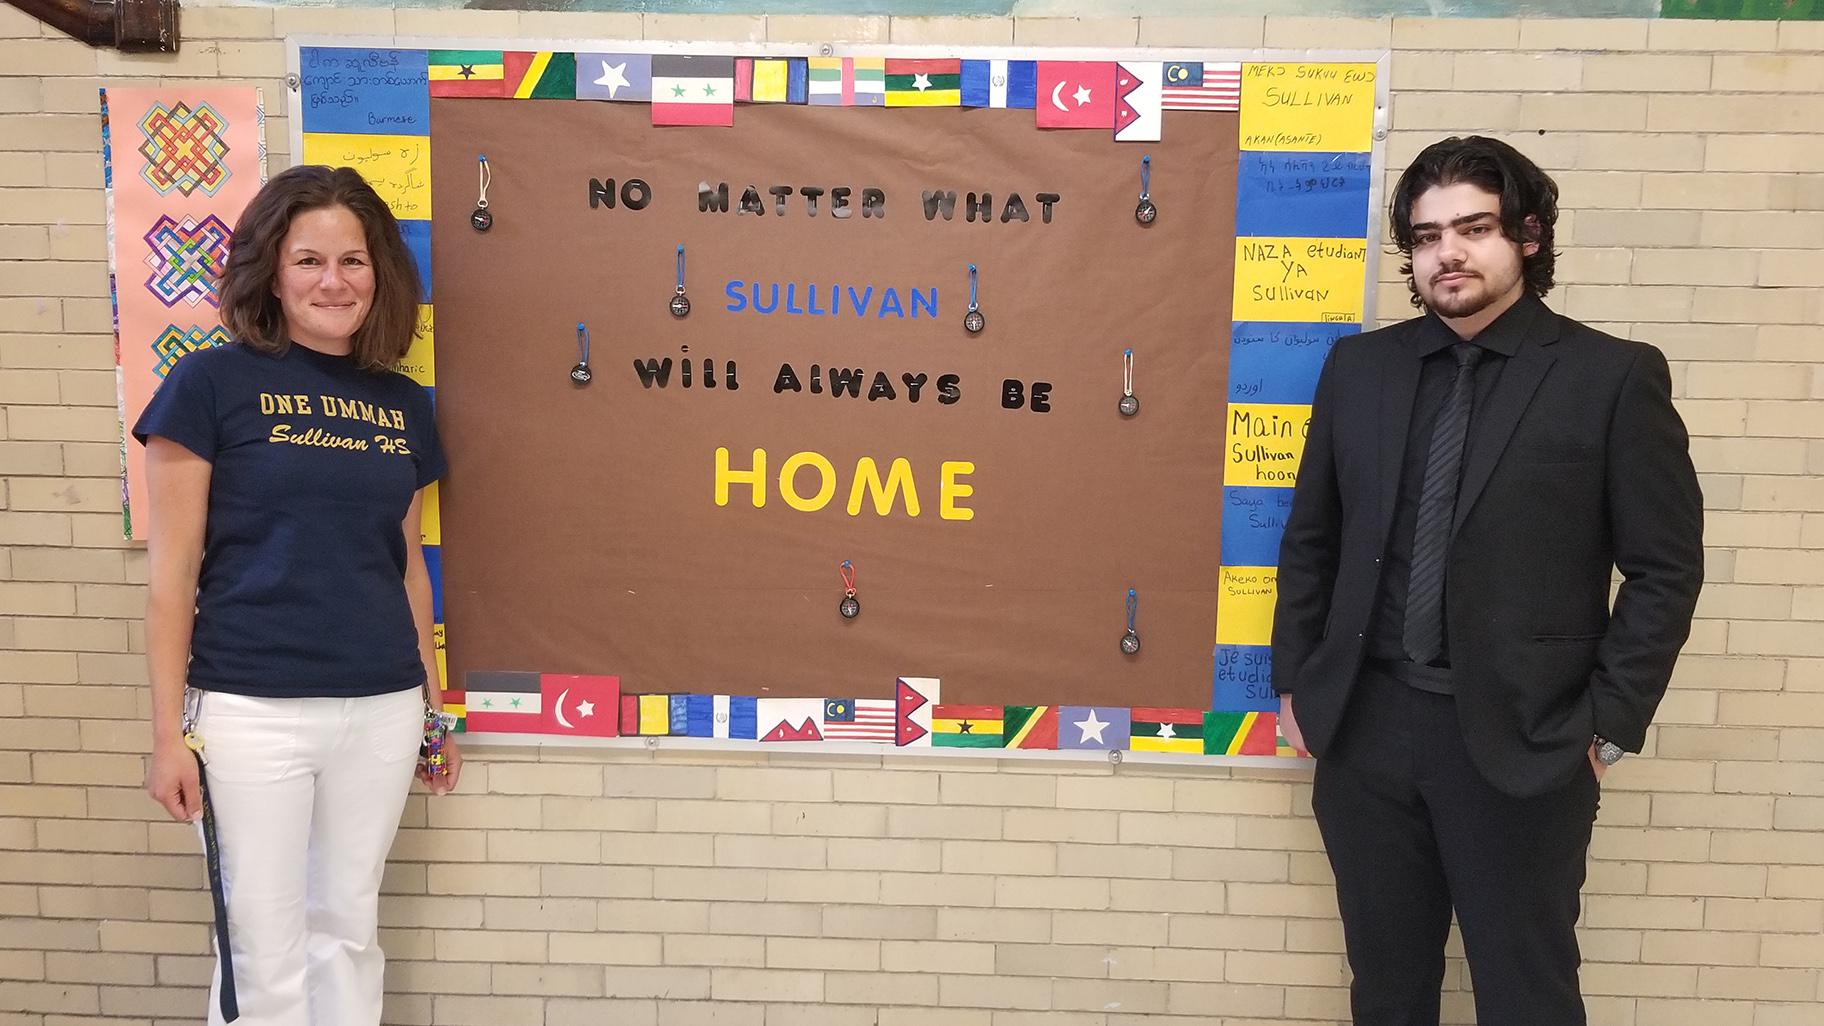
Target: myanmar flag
[(922, 83), (1030, 726), (467, 73), (966, 726), (1167, 730), (540, 76)]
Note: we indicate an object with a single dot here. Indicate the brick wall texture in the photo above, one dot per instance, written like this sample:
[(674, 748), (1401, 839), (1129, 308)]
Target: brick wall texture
[(675, 889)]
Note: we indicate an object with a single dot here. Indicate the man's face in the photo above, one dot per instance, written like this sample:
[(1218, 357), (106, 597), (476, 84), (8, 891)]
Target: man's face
[(1461, 262)]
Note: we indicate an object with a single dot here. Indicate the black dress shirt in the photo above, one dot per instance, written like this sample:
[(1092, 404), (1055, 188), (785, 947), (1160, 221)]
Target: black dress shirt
[(1499, 341)]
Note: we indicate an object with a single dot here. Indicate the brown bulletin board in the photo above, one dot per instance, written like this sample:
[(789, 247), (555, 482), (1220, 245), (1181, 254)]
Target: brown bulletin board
[(581, 532)]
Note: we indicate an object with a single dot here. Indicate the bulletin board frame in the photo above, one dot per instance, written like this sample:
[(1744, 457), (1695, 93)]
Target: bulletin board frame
[(1255, 345)]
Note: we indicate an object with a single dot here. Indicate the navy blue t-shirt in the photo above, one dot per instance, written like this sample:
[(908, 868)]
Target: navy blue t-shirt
[(302, 589)]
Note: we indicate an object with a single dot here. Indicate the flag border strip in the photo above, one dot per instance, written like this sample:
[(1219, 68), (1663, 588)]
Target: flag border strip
[(1381, 58)]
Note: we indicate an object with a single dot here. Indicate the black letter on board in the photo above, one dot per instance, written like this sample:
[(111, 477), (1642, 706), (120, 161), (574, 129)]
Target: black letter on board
[(842, 379), (881, 388), (1046, 199), (653, 370), (712, 199), (600, 194), (947, 390)]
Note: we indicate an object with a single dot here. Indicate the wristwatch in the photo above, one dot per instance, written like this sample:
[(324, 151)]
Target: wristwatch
[(1608, 752)]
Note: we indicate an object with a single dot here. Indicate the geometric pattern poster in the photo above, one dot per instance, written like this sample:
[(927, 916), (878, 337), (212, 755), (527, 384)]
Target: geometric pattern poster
[(180, 163)]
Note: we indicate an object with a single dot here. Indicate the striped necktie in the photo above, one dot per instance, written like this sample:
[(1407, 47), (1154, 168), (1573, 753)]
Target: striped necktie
[(1423, 637)]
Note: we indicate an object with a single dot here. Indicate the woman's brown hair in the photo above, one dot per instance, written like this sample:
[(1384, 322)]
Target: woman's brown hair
[(250, 310)]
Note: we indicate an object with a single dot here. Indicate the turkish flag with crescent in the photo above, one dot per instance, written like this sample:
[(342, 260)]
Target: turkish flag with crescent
[(577, 704), (1076, 94)]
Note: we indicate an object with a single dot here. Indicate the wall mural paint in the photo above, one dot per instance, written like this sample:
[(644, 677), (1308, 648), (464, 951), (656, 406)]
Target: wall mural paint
[(1727, 10)]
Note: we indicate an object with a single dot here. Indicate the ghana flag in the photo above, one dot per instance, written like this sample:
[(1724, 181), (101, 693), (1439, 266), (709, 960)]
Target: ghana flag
[(1167, 730), (966, 726), (540, 76), (467, 73), (924, 83)]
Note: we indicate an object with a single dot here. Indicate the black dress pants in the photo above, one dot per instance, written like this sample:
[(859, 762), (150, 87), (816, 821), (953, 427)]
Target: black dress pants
[(1413, 831)]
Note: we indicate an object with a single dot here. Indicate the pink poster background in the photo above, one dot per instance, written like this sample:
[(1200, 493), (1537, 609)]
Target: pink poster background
[(182, 164)]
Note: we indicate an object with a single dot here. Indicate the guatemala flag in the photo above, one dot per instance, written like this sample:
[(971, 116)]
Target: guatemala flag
[(1000, 84)]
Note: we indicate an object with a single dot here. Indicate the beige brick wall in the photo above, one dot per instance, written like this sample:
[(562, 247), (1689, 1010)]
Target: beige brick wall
[(570, 888)]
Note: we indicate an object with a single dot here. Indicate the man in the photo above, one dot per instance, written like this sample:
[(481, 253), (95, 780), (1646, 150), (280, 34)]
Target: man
[(1444, 642)]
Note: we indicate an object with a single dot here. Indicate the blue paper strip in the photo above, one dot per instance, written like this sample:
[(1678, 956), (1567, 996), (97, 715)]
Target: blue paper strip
[(1253, 519), (1302, 195), (1273, 362), (680, 716), (365, 92), (433, 561), (1244, 680), (417, 235)]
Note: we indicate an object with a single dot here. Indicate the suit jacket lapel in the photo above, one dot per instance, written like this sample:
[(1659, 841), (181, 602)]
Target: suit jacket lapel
[(1519, 380), (1399, 387)]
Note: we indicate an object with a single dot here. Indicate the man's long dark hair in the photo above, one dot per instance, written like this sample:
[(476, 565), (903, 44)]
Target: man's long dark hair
[(1494, 167)]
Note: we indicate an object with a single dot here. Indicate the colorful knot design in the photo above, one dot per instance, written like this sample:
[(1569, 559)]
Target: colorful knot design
[(187, 259), (185, 149), (175, 343)]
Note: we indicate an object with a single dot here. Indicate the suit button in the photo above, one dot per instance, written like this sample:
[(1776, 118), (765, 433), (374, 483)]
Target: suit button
[(1360, 634)]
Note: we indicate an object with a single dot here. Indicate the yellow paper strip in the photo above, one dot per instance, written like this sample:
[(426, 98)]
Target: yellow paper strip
[(1321, 108), (1300, 280), (397, 166), (1264, 443), (1244, 605)]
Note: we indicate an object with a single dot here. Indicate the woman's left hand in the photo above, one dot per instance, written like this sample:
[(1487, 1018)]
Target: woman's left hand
[(445, 782)]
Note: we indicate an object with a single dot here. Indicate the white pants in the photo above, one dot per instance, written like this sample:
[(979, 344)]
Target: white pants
[(307, 794)]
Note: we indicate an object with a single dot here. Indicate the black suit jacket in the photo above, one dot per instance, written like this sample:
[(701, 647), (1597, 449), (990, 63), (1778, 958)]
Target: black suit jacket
[(1579, 466)]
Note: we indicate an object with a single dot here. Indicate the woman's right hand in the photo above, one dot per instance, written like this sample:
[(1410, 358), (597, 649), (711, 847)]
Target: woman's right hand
[(174, 780)]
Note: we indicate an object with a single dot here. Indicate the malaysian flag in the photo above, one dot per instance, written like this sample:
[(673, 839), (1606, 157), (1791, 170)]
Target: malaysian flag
[(860, 719), (1191, 85)]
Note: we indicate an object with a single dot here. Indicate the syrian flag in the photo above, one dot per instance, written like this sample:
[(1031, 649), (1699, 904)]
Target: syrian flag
[(502, 702), (693, 90)]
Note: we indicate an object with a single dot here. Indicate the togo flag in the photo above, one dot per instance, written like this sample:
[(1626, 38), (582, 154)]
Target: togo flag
[(1000, 84)]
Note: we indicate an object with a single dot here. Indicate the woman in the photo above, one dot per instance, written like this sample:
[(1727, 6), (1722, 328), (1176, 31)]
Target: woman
[(288, 619)]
